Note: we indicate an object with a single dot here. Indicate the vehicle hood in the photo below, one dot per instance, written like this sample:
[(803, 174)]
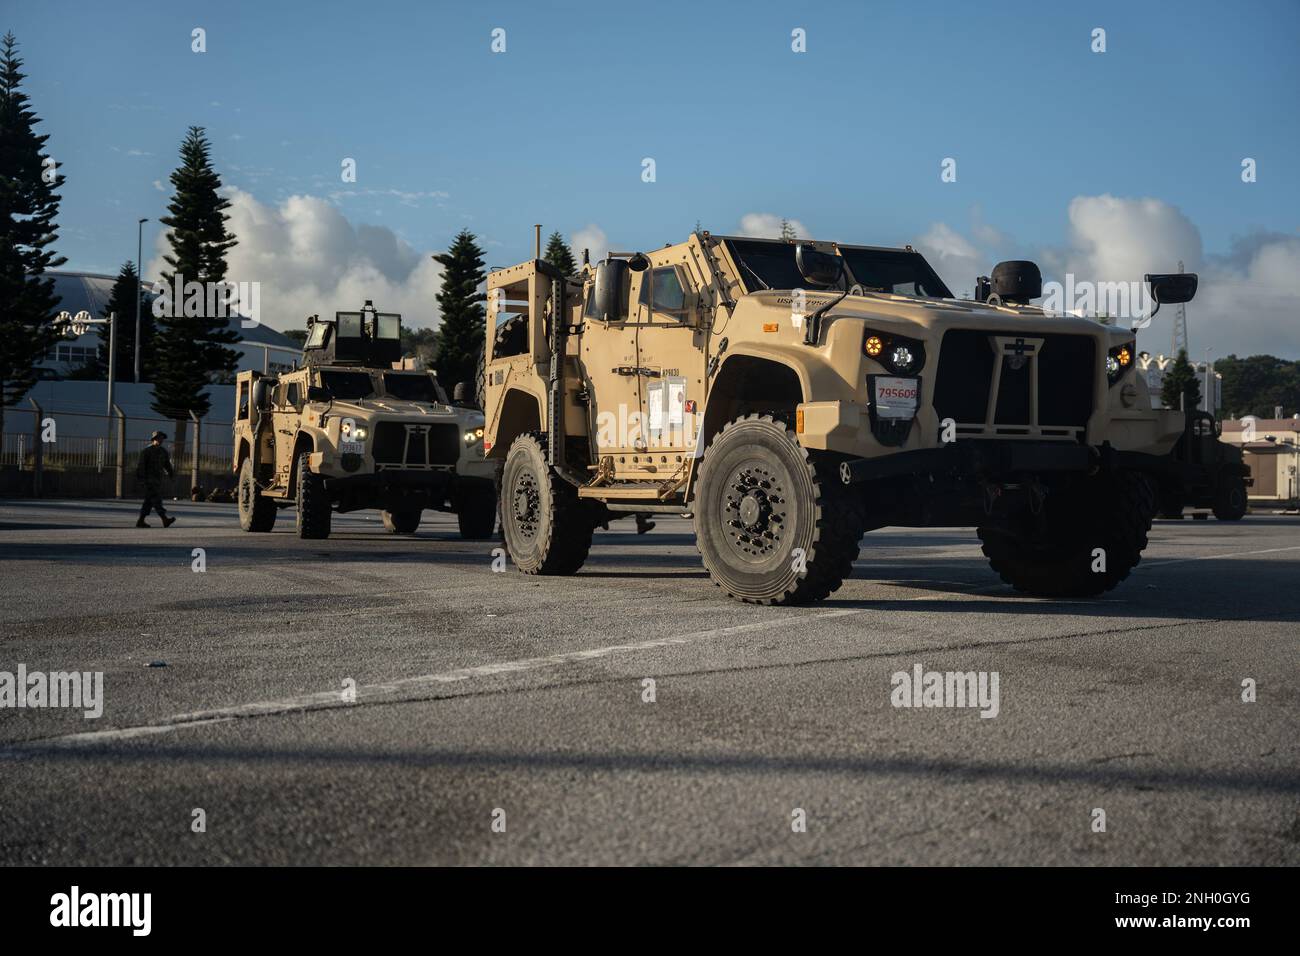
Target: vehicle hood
[(390, 408), (942, 313)]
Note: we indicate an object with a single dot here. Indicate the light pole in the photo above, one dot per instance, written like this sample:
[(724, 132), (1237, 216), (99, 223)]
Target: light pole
[(139, 290), (1208, 398), (79, 325)]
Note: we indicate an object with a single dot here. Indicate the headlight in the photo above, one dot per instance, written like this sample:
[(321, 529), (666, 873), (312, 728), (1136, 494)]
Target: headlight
[(360, 433), (1118, 361), (899, 354), (473, 435)]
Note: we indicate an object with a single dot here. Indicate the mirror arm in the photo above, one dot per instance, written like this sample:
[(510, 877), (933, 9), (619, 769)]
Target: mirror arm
[(813, 330), (1135, 326)]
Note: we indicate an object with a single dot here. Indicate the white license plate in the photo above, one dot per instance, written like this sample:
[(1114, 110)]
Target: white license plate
[(895, 397)]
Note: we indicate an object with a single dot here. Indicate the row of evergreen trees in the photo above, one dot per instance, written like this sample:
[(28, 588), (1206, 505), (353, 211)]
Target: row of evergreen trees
[(29, 203), (181, 354)]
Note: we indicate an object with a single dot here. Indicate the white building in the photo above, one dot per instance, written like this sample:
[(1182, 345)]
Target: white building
[(1154, 367), (260, 347)]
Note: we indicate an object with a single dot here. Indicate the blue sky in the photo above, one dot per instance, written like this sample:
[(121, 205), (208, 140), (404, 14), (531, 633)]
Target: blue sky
[(846, 138)]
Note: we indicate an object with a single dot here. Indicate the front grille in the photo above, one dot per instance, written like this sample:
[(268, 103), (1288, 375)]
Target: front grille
[(391, 446), (1066, 375)]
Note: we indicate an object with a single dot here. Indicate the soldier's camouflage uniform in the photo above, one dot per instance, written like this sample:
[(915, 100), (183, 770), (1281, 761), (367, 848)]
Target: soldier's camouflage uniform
[(155, 464)]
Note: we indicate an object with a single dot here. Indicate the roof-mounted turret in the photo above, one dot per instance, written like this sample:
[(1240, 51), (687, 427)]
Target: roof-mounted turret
[(368, 338)]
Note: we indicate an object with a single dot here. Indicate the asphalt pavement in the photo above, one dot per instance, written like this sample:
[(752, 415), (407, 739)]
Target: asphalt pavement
[(398, 700)]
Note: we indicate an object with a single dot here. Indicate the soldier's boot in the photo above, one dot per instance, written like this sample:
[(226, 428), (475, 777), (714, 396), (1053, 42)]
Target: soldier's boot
[(141, 524), (168, 521), (643, 524)]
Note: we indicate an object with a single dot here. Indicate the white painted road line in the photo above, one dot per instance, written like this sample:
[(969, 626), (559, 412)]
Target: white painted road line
[(387, 692), (399, 689)]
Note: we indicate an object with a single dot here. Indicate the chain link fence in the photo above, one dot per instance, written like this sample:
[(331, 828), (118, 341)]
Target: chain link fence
[(53, 453)]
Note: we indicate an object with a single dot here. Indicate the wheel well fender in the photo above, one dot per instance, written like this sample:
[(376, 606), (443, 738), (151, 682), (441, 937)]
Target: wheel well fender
[(746, 381), (302, 442), (521, 412)]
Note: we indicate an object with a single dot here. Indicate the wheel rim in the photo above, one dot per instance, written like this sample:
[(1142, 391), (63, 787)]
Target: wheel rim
[(755, 511), (525, 501), (245, 495)]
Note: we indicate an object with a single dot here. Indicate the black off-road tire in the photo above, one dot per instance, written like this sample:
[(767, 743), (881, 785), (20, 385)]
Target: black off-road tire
[(1110, 512), (1231, 500), (760, 496), (547, 527), (476, 511), (511, 338), (1170, 501), (402, 521), (314, 509), (256, 511)]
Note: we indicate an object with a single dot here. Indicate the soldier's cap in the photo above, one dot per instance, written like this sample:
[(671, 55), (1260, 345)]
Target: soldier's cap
[(158, 436)]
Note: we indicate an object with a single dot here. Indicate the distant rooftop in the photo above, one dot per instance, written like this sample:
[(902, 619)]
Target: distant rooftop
[(91, 291)]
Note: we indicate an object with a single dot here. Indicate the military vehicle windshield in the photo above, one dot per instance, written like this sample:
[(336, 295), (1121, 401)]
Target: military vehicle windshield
[(767, 264), (347, 385), (893, 270), (410, 386)]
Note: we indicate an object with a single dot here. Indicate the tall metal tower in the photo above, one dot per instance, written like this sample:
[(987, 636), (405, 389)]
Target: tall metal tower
[(1180, 326)]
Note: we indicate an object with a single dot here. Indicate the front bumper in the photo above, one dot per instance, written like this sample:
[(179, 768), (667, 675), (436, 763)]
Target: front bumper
[(983, 459)]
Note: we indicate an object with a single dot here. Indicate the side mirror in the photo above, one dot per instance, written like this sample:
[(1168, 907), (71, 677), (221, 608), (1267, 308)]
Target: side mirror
[(318, 393), (1172, 288), (610, 292), (818, 268), (263, 393), (638, 262)]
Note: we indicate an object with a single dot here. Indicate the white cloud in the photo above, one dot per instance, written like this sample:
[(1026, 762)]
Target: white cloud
[(1113, 239), (1246, 301), (592, 238), (953, 256), (766, 225), (310, 259)]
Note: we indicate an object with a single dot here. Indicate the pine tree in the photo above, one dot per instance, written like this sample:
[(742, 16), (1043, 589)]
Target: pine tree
[(121, 303), (28, 207), (460, 336), (192, 350), (787, 230), (1181, 380), (560, 255)]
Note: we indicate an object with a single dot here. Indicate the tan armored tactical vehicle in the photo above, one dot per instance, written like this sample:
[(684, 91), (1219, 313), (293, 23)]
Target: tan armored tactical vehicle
[(348, 431), (792, 395)]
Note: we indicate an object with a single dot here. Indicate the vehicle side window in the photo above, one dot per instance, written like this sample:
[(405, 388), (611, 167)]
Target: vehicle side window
[(663, 288), (292, 394)]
